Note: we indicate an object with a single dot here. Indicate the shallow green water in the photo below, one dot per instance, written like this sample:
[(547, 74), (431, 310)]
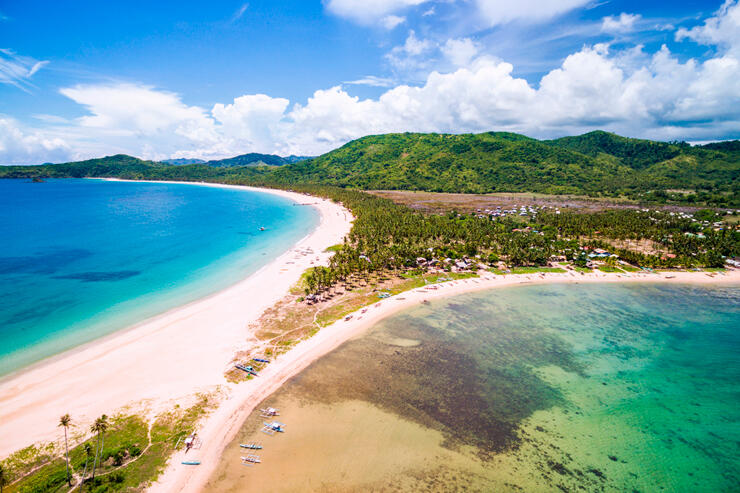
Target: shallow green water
[(538, 388)]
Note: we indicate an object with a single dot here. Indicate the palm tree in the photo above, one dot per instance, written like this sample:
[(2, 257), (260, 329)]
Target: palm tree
[(99, 427), (88, 454), (64, 422), (103, 429)]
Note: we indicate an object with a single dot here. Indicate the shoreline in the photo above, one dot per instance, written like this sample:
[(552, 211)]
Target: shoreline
[(162, 359), (219, 428)]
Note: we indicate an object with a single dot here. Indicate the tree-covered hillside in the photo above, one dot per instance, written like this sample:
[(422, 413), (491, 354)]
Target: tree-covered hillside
[(109, 166), (255, 159), (597, 163)]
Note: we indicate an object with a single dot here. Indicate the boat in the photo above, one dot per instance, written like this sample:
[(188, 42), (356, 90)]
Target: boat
[(251, 446), (251, 459), (191, 462), (247, 369), (269, 412), (274, 427), (260, 360), (262, 229)]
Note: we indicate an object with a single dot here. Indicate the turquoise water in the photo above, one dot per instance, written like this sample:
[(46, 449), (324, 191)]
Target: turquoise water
[(82, 258), (619, 388)]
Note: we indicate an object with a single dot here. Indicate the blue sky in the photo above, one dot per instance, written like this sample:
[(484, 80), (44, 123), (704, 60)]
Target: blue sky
[(212, 79)]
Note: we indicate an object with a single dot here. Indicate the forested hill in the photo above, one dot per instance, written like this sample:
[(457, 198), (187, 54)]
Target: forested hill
[(109, 166), (255, 159), (597, 163)]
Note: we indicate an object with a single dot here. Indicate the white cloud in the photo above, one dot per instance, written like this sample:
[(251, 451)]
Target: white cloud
[(392, 21), (413, 55), (17, 69), (629, 91), (18, 145), (250, 122), (460, 52), (619, 24), (133, 109), (368, 11), (371, 80), (722, 30), (502, 11)]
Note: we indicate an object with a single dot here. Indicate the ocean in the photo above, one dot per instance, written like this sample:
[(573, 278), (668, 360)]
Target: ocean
[(83, 258), (630, 387)]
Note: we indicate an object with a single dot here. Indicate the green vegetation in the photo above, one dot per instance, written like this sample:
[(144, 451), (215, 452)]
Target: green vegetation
[(390, 238), (594, 164), (132, 454), (255, 159)]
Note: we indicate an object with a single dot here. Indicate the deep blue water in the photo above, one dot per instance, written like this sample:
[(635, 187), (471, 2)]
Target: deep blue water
[(82, 258)]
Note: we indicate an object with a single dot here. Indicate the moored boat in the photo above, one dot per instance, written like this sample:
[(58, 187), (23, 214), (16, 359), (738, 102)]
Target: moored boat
[(252, 446)]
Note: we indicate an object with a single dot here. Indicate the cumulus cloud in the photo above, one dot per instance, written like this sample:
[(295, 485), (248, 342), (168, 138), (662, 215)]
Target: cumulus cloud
[(629, 91), (502, 11), (413, 55), (619, 24), (460, 52), (17, 69), (369, 12), (19, 145), (722, 30)]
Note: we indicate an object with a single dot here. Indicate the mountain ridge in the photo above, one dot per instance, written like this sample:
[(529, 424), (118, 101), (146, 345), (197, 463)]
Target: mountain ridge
[(596, 163)]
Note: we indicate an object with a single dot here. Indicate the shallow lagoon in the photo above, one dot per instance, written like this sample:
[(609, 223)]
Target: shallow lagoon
[(537, 388)]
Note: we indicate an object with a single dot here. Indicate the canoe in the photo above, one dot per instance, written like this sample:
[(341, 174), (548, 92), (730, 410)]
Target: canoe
[(191, 462)]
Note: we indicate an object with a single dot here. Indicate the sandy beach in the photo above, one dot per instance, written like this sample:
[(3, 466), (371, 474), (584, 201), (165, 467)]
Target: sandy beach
[(221, 427), (162, 360)]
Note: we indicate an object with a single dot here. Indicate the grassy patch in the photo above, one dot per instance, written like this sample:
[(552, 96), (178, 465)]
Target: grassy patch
[(334, 248), (609, 269), (630, 268), (128, 461), (582, 269)]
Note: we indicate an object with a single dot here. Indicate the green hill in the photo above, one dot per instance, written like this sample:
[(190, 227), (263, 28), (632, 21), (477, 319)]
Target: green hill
[(109, 166), (596, 163), (255, 159)]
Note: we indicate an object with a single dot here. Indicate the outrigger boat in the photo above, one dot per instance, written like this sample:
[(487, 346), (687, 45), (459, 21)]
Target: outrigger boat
[(248, 369), (252, 446), (274, 427), (269, 412), (260, 360), (191, 462), (251, 459)]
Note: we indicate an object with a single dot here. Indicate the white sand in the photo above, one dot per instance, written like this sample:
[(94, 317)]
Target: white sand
[(164, 359), (222, 426)]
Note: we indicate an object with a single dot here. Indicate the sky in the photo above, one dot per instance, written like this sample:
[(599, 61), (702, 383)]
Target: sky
[(216, 79)]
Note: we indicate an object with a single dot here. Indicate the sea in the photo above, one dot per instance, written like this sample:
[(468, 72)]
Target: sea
[(541, 388), (80, 259)]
